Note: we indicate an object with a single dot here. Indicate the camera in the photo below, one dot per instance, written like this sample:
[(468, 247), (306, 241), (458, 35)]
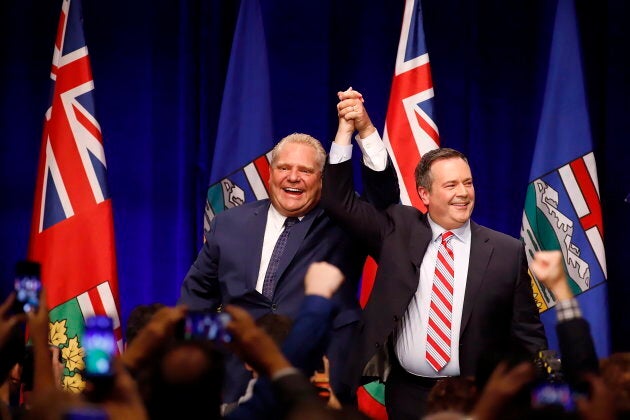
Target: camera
[(27, 286), (203, 325)]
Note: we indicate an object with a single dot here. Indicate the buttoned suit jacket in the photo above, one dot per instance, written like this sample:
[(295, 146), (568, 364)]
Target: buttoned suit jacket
[(499, 314)]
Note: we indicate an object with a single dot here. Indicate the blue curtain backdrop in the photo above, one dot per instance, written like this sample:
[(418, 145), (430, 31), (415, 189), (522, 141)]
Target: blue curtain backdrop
[(159, 69)]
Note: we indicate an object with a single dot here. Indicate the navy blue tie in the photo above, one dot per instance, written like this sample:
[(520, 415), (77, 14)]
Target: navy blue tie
[(270, 276)]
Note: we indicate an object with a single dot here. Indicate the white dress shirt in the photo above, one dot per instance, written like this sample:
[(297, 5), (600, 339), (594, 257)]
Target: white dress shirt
[(411, 337), (372, 147), (273, 229)]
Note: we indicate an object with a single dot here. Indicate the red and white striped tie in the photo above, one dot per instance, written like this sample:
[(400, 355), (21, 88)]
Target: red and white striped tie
[(440, 312)]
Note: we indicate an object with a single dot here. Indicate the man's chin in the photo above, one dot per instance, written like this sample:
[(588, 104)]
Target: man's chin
[(296, 211)]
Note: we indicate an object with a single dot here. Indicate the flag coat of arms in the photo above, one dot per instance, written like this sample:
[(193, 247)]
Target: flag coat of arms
[(410, 132), (72, 231), (562, 206)]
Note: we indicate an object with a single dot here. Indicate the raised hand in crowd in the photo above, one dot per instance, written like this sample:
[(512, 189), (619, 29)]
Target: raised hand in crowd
[(322, 279), (548, 268), (154, 336), (253, 345), (599, 404), (8, 320), (49, 401), (38, 325), (124, 400), (501, 388)]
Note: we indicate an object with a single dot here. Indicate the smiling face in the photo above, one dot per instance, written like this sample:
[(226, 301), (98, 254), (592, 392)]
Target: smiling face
[(295, 179), (451, 196)]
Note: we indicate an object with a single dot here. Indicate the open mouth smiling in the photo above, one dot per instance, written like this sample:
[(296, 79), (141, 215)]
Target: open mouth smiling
[(293, 191)]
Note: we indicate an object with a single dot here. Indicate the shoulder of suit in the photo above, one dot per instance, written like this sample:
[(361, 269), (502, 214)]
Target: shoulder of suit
[(406, 214), (494, 235), (405, 210), (253, 207)]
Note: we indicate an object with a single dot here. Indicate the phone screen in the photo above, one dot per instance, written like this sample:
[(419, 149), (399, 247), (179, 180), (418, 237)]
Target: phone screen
[(27, 286), (553, 394), (99, 344), (207, 326)]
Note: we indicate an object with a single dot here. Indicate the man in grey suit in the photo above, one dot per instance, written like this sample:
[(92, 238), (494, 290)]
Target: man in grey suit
[(450, 296), (234, 264)]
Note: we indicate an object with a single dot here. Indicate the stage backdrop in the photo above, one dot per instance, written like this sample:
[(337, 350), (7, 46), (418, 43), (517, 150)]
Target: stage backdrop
[(159, 71)]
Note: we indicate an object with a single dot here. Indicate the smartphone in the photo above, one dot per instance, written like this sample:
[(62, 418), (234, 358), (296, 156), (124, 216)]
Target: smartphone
[(558, 394), (203, 325), (27, 286), (99, 345)]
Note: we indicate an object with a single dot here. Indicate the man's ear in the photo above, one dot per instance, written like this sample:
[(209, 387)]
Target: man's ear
[(423, 193)]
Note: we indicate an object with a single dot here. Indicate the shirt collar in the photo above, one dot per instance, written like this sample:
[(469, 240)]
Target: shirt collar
[(462, 233), (276, 219)]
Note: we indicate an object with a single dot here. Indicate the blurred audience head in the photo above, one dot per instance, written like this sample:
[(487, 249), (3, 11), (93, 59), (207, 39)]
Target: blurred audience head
[(138, 318), (458, 394), (615, 371), (185, 381), (276, 325)]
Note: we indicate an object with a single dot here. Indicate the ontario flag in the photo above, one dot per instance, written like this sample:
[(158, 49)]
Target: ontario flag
[(410, 132), (72, 231), (562, 205), (240, 164)]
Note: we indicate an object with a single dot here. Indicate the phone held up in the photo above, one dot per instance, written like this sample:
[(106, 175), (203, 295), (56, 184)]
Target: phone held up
[(551, 390), (203, 325), (27, 286), (99, 344)]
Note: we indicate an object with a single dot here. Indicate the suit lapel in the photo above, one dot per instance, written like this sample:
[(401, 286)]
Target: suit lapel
[(480, 253), (418, 242), (255, 224), (296, 238)]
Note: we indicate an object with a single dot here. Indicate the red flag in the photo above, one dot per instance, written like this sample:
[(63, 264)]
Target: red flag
[(409, 133), (72, 232)]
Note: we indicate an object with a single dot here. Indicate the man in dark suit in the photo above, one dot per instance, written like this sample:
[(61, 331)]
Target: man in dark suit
[(232, 267), (448, 292)]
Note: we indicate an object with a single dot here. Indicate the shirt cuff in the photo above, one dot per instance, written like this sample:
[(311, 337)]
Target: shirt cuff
[(567, 310), (374, 151), (339, 153)]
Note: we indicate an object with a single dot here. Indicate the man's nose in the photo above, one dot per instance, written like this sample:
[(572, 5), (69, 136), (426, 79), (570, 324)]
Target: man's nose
[(294, 174), (461, 190)]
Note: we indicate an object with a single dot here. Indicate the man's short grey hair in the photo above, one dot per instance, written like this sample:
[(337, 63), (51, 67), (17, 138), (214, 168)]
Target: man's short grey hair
[(301, 138)]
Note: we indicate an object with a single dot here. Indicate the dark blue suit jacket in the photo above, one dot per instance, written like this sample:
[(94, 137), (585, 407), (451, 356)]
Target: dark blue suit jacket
[(227, 266)]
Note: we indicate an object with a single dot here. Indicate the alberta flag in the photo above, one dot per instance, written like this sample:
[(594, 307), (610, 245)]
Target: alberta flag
[(562, 205), (240, 164), (410, 132), (72, 232)]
